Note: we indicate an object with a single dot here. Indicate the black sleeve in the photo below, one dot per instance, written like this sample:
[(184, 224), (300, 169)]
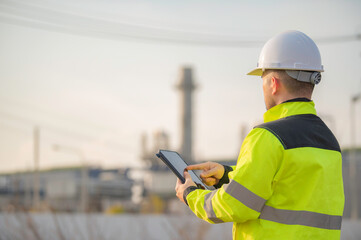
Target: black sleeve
[(187, 191), (225, 178)]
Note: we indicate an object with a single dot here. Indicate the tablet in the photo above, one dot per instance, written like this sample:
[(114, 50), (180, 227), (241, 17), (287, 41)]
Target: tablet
[(175, 162)]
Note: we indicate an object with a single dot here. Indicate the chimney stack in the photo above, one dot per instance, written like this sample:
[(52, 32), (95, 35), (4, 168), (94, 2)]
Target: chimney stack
[(186, 86)]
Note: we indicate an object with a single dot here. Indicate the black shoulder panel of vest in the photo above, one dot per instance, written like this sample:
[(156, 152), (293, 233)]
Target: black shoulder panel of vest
[(306, 130)]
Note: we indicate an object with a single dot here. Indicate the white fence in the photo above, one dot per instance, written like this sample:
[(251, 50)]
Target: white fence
[(35, 226), (105, 227)]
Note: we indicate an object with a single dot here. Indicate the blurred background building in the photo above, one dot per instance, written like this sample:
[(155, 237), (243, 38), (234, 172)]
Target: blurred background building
[(67, 190)]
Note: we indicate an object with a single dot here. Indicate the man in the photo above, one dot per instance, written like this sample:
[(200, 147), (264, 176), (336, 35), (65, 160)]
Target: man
[(287, 183)]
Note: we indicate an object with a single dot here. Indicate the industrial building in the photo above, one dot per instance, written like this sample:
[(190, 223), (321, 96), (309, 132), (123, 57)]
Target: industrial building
[(67, 189)]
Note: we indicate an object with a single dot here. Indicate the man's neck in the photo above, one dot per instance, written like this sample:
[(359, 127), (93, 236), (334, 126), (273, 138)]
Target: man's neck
[(298, 100), (285, 98)]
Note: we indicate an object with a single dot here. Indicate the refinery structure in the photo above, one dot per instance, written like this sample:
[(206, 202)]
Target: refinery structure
[(185, 86), (158, 179)]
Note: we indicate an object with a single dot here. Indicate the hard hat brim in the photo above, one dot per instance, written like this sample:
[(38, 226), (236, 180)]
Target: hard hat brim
[(256, 72)]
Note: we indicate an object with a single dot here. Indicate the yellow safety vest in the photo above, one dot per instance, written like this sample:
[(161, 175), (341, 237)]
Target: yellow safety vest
[(287, 183)]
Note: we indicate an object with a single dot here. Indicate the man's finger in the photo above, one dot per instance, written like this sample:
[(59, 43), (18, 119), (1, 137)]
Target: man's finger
[(187, 176), (210, 181), (200, 166), (177, 184), (209, 173)]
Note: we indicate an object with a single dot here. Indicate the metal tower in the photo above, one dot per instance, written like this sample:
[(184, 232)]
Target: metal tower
[(186, 86)]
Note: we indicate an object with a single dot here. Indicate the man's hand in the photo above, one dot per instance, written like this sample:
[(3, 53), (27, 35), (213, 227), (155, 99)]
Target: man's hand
[(180, 187), (212, 172)]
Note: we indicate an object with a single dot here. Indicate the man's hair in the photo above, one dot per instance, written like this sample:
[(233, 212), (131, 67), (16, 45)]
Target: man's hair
[(292, 85)]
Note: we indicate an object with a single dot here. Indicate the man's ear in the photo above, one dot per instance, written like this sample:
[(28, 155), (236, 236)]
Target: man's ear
[(275, 85)]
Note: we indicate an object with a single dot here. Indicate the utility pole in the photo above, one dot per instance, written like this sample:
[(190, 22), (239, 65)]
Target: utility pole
[(84, 188), (36, 180), (352, 160)]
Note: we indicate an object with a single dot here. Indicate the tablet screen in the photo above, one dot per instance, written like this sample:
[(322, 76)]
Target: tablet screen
[(179, 165)]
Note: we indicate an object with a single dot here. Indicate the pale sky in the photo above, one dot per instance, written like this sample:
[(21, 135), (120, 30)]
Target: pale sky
[(88, 75)]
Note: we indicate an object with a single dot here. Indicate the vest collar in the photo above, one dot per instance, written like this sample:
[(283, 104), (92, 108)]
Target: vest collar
[(288, 108)]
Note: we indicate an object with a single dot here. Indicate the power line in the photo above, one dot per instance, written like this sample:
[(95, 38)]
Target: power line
[(30, 15), (34, 16), (339, 39)]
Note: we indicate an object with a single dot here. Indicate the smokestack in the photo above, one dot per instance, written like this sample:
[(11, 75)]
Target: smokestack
[(186, 87)]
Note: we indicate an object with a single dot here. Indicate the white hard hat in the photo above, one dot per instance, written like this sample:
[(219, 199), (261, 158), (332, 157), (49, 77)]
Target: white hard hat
[(291, 50)]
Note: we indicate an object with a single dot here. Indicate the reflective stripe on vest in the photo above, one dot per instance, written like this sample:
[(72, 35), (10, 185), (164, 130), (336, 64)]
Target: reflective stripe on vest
[(209, 208), (257, 203), (310, 219), (244, 195)]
